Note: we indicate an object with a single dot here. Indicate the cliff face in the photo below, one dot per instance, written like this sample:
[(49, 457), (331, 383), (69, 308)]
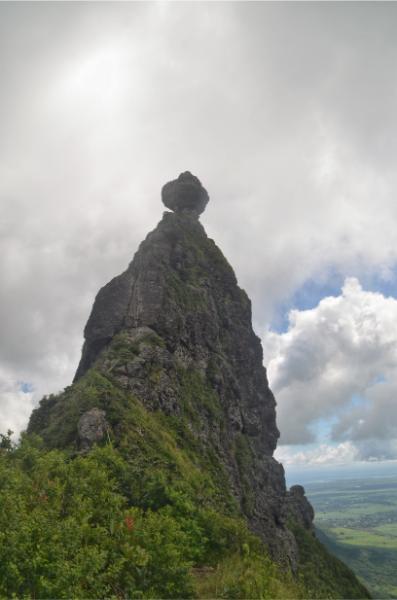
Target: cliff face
[(174, 333), (179, 307)]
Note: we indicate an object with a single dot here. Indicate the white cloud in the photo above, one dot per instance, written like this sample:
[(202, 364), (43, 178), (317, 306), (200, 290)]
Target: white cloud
[(286, 113), (16, 404), (338, 363), (322, 454)]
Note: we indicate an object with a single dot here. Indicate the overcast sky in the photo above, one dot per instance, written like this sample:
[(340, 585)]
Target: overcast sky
[(287, 114)]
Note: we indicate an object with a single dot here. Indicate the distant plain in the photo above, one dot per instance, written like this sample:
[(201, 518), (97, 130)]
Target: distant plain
[(357, 520)]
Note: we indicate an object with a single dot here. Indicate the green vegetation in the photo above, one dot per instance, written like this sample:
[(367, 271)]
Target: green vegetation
[(123, 349), (246, 575), (390, 530), (376, 567), (196, 395), (358, 537), (68, 530), (243, 455), (148, 514), (157, 446), (324, 575), (188, 296), (202, 262), (357, 521)]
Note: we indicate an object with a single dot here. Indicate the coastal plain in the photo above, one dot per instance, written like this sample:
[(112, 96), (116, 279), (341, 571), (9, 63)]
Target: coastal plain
[(357, 520)]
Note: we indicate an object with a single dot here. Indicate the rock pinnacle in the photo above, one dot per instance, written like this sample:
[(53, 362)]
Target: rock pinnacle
[(185, 194)]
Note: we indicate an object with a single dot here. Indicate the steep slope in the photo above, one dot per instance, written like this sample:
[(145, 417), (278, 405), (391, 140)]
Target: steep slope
[(171, 373)]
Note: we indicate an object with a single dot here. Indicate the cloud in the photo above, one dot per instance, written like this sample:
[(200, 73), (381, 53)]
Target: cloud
[(376, 419), (17, 403), (286, 113), (337, 365), (323, 454)]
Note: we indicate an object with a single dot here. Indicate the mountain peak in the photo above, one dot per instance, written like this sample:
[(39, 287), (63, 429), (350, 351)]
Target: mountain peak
[(185, 194), (172, 374), (174, 331)]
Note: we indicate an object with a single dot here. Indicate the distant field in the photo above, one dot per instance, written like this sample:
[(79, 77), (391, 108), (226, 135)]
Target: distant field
[(357, 520), (354, 512), (357, 537), (390, 529)]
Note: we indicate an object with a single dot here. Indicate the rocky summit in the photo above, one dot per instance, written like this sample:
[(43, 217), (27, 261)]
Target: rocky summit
[(178, 305), (172, 374), (185, 194)]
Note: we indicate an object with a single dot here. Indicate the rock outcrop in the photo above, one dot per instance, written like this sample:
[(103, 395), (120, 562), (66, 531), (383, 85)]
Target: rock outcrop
[(174, 331), (185, 194), (299, 508), (91, 428)]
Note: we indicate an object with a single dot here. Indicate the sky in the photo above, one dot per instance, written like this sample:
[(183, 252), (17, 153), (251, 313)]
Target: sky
[(286, 113)]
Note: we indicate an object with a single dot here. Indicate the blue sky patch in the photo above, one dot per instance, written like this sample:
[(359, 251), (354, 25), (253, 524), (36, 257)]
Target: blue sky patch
[(310, 294), (25, 387), (306, 297), (322, 428), (385, 286)]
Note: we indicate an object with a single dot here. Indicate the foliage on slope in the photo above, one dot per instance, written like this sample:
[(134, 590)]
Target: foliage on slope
[(149, 514), (324, 575), (376, 566), (68, 530), (159, 450)]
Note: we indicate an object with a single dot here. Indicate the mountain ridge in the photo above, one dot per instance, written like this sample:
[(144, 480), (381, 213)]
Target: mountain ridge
[(169, 344)]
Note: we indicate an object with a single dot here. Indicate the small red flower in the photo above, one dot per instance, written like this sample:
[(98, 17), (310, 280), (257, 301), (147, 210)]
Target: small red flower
[(129, 522)]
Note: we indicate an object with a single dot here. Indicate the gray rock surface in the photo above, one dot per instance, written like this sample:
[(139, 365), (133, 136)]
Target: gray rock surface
[(92, 428), (299, 508), (185, 194), (175, 330)]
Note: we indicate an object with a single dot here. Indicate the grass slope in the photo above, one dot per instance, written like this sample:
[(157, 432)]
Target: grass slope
[(147, 515)]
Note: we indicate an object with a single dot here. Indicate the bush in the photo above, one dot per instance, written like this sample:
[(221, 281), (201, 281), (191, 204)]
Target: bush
[(66, 531)]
